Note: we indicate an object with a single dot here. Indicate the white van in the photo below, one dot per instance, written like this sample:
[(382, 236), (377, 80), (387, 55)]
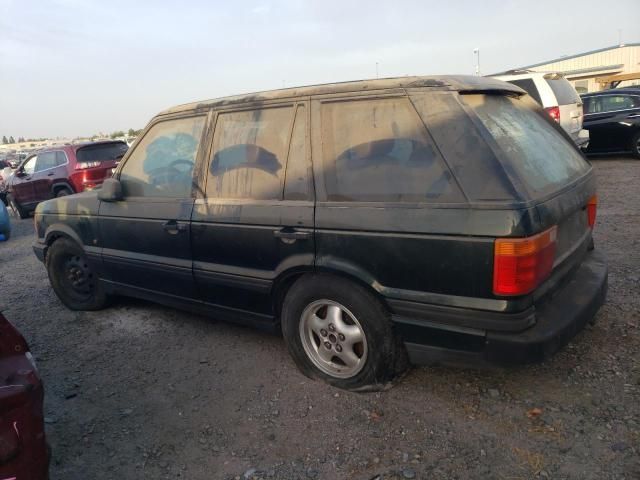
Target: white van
[(556, 95)]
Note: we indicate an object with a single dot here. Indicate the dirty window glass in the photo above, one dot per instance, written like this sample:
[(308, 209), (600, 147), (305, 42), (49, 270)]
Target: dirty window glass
[(541, 157), (161, 164), (378, 151), (249, 152), (564, 91), (297, 178)]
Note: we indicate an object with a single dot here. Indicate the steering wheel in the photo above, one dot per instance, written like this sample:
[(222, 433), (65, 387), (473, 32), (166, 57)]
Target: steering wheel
[(165, 176)]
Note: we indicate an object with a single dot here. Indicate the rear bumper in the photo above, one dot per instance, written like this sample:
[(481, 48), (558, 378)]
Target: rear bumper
[(555, 322)]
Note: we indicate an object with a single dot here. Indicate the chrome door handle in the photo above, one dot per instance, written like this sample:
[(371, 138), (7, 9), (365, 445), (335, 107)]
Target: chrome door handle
[(291, 234), (172, 227)]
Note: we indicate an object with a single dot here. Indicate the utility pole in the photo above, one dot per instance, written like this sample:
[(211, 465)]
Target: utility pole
[(377, 70), (476, 52)]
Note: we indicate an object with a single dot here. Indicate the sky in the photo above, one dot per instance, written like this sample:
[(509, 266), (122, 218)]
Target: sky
[(78, 67)]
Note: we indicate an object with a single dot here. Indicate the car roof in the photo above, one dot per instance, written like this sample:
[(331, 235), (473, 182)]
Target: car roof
[(436, 82), (75, 146)]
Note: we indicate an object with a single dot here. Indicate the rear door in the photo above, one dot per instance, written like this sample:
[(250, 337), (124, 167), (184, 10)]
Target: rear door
[(251, 226), (388, 208), (609, 118), (146, 237), (49, 168)]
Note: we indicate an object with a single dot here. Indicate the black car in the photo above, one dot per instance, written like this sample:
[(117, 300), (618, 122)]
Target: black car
[(613, 120), (429, 219)]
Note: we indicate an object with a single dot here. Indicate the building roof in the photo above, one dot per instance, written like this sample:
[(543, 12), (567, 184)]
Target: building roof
[(439, 82), (569, 57)]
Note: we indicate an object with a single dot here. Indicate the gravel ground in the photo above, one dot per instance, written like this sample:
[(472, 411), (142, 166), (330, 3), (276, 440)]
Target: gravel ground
[(142, 391)]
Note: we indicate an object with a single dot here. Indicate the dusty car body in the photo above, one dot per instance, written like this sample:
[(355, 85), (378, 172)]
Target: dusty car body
[(443, 219), (23, 447)]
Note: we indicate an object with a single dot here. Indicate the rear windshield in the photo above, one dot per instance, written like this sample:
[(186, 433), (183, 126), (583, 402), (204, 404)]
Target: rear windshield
[(541, 157), (102, 152), (564, 91)]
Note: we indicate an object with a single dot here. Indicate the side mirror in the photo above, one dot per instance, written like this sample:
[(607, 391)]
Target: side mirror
[(20, 173), (111, 190)]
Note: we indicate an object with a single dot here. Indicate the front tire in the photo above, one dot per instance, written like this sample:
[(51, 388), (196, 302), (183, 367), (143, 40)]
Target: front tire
[(339, 332), (72, 277), (635, 145), (17, 208)]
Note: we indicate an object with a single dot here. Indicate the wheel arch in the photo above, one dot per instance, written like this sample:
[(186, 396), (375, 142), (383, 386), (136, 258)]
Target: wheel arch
[(57, 186), (285, 281)]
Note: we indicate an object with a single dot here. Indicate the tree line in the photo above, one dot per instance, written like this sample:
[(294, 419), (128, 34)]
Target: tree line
[(119, 133)]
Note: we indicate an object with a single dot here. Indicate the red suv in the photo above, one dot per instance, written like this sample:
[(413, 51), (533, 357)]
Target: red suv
[(60, 171)]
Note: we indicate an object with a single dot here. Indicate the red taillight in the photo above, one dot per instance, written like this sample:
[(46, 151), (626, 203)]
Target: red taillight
[(554, 112), (521, 264), (592, 206)]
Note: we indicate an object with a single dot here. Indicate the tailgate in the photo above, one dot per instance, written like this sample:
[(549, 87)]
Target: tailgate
[(571, 118), (568, 211)]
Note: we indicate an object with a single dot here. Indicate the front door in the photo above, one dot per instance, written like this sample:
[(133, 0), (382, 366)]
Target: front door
[(252, 225), (21, 183), (146, 237)]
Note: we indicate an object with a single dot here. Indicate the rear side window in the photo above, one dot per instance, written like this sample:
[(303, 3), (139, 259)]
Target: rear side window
[(541, 157), (102, 152), (529, 86), (249, 154), (379, 151), (564, 91), (162, 162)]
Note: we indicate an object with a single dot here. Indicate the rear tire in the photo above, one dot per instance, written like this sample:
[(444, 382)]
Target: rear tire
[(635, 145), (17, 208), (339, 332), (72, 278), (63, 192)]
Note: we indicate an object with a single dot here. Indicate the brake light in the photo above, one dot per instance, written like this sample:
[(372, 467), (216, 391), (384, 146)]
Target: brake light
[(85, 165), (592, 206), (521, 264), (554, 112)]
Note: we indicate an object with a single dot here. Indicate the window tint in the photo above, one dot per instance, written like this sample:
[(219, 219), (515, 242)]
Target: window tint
[(540, 156), (30, 165), (564, 91), (161, 164), (61, 158), (297, 185), (45, 161), (102, 152), (529, 86), (249, 152), (378, 151)]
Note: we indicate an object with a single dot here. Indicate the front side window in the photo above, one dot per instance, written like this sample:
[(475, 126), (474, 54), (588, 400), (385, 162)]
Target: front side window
[(249, 154), (30, 165), (378, 151), (162, 162)]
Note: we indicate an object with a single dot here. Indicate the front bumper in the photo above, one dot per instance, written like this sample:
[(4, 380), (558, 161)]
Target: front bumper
[(39, 250), (557, 320)]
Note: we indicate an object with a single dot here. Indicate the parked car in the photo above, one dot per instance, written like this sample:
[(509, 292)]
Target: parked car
[(557, 96), (439, 219), (613, 120), (5, 223), (23, 447), (61, 171)]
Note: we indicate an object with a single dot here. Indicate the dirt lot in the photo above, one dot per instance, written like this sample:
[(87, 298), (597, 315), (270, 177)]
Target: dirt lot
[(142, 391)]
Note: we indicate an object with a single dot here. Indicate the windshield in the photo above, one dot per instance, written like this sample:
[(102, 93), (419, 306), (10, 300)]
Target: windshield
[(541, 157)]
